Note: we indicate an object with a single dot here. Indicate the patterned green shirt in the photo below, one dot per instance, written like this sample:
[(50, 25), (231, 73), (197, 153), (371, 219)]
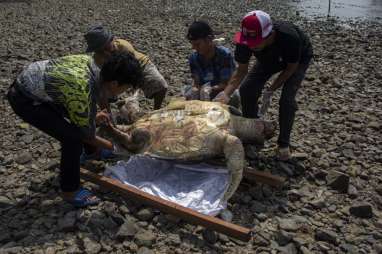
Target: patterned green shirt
[(69, 83)]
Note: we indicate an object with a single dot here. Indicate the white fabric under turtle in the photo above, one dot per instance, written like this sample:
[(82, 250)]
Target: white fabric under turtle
[(200, 187)]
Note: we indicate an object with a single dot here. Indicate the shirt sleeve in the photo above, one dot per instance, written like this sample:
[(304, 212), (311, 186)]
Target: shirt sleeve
[(228, 67), (194, 69), (242, 54)]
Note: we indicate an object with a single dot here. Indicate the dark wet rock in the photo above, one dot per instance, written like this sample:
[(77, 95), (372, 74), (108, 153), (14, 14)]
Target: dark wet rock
[(256, 193), (326, 236), (338, 181), (5, 202), (5, 236), (258, 207), (362, 210), (68, 222), (210, 236)]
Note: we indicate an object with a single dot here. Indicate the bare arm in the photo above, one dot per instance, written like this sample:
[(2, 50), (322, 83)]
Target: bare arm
[(99, 142), (284, 76), (239, 74), (234, 154)]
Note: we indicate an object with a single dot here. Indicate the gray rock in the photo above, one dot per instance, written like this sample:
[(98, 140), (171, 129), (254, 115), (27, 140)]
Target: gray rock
[(289, 225), (68, 222), (326, 236), (246, 199), (362, 210), (349, 248), (258, 207), (256, 193), (226, 215), (24, 158), (91, 246), (283, 238), (288, 249), (338, 181), (145, 250), (145, 214), (145, 238), (5, 236), (379, 190), (210, 236), (378, 248), (353, 192), (287, 168), (5, 202), (128, 229)]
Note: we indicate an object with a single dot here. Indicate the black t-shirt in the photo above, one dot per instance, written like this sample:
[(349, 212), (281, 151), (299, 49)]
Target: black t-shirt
[(291, 45)]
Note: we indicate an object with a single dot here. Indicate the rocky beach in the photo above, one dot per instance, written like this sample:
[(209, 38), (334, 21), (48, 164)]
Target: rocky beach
[(332, 201)]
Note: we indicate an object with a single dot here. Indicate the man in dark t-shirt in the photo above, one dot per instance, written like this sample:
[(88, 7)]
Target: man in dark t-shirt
[(278, 47)]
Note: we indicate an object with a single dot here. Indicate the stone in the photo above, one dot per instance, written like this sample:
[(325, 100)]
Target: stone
[(128, 229), (145, 238), (283, 238), (378, 248), (353, 192), (226, 215), (5, 202), (145, 250), (338, 181), (24, 158), (145, 214), (68, 222), (210, 236), (286, 168), (305, 250), (289, 225), (256, 193), (258, 207), (326, 236), (288, 249), (5, 236), (91, 246), (362, 210)]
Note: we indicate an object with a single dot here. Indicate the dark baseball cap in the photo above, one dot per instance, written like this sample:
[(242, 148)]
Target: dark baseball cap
[(199, 30), (97, 37)]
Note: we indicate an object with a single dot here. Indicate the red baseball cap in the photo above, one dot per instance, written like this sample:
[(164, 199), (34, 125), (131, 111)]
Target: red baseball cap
[(258, 22)]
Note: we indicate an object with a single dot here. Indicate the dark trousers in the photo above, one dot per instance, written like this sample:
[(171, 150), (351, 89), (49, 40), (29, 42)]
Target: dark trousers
[(251, 89), (47, 119)]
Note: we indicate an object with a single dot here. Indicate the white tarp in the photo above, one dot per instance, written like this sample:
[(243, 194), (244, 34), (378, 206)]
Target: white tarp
[(197, 186)]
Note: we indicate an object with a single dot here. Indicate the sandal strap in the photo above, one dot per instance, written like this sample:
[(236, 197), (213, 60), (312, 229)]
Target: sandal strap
[(82, 194)]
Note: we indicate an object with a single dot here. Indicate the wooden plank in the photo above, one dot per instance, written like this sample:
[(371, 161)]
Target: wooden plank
[(263, 177), (189, 215), (253, 175)]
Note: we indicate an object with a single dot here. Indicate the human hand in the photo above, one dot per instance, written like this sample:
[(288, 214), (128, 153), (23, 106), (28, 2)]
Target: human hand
[(102, 117), (266, 102)]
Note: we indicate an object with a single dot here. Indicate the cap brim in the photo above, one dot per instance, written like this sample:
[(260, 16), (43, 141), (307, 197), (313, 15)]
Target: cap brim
[(239, 38)]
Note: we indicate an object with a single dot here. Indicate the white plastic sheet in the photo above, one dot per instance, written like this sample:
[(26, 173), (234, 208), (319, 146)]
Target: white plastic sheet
[(200, 187)]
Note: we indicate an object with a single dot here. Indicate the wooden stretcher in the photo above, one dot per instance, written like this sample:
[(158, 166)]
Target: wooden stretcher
[(187, 214)]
